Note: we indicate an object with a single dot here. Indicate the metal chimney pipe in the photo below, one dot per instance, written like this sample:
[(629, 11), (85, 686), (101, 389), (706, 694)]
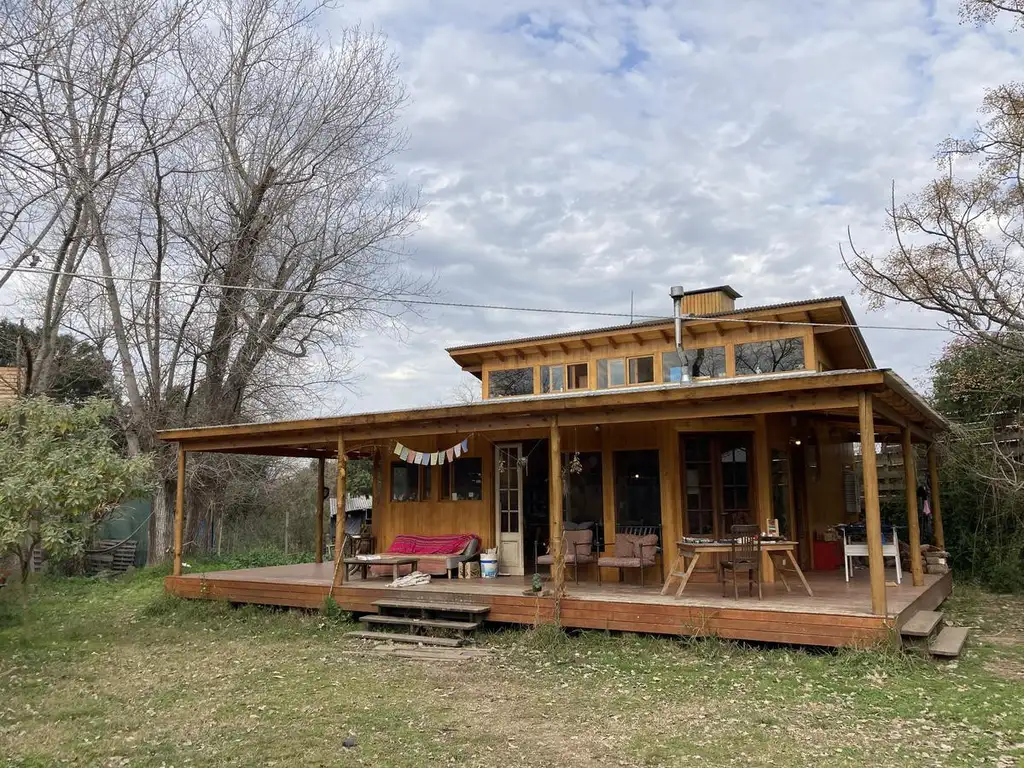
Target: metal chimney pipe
[(677, 292)]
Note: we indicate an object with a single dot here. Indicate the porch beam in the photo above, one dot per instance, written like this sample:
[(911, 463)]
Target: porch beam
[(731, 407), (913, 523), (886, 411), (555, 508), (339, 519), (933, 476), (763, 490), (320, 510), (740, 407), (179, 511), (872, 512)]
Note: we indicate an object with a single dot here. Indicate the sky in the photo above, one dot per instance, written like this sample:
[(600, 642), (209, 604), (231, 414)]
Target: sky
[(571, 154)]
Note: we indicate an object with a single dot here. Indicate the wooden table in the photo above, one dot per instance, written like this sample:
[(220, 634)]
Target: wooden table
[(393, 560), (692, 551)]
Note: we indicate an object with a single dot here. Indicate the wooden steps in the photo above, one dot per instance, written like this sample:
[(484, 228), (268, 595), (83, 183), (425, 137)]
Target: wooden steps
[(925, 632), (433, 606), (458, 626), (422, 619), (921, 624), (396, 637), (948, 643)]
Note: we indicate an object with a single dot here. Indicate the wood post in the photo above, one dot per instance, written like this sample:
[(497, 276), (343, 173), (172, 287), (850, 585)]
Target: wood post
[(555, 507), (872, 512), (763, 490), (339, 518), (671, 507), (320, 510), (913, 523), (608, 498), (179, 511), (933, 496)]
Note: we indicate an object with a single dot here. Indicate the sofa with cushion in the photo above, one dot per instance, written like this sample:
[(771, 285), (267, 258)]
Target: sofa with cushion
[(437, 555), (631, 551)]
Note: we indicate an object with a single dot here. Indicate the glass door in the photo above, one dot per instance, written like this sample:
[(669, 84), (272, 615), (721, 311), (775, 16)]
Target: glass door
[(508, 476), (734, 454)]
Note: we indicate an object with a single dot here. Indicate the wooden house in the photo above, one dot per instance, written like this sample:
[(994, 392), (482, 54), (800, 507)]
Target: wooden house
[(754, 416)]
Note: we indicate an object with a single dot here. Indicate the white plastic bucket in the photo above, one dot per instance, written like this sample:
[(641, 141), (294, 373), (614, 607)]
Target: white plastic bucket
[(489, 566)]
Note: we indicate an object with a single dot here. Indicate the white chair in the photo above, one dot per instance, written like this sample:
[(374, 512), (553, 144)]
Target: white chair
[(852, 549)]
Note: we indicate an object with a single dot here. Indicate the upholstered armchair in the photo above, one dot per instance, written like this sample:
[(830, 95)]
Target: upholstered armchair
[(578, 547)]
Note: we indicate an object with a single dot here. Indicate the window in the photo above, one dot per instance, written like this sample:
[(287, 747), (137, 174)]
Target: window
[(641, 370), (462, 480), (770, 356), (552, 378), (705, 363), (611, 373), (700, 486), (515, 381), (780, 492), (583, 500), (577, 376), (410, 482), (637, 488)]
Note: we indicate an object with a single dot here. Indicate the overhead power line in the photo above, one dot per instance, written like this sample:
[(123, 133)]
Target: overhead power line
[(410, 300)]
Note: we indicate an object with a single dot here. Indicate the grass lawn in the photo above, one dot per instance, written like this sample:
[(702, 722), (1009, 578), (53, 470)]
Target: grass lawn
[(112, 673)]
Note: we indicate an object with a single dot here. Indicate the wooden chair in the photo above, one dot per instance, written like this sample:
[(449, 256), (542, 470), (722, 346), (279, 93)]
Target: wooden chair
[(744, 556)]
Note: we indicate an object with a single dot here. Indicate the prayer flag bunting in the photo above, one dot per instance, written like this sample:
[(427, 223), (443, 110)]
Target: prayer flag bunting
[(431, 458)]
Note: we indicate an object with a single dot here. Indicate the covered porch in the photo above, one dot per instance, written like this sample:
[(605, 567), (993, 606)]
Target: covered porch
[(687, 461), (839, 613)]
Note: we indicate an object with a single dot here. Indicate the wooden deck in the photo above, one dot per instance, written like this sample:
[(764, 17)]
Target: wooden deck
[(839, 614)]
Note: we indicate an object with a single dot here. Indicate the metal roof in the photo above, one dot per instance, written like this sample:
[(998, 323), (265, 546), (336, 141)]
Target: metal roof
[(648, 323)]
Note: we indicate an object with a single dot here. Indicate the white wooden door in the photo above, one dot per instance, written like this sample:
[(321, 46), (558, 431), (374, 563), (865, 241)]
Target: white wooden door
[(508, 478)]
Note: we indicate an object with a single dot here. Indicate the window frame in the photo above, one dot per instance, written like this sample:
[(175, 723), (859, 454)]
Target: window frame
[(665, 369), (448, 477), (802, 366), (547, 368), (586, 365), (423, 484), (631, 360), (533, 375), (625, 362)]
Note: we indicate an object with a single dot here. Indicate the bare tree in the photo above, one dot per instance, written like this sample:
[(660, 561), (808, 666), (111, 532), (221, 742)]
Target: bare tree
[(959, 243), (228, 211)]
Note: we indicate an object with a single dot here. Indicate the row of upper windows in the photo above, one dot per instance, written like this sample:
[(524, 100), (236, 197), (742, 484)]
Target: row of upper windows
[(703, 363)]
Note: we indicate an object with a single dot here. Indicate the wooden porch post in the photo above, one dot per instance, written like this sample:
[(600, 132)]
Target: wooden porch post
[(913, 524), (339, 519), (671, 508), (608, 498), (179, 511), (872, 513), (555, 507), (933, 496), (763, 491), (320, 510)]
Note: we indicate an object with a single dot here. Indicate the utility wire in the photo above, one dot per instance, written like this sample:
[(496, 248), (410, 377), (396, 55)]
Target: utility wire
[(467, 305)]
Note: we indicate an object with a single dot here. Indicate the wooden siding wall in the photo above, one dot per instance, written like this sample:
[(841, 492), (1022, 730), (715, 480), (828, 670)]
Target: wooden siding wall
[(823, 501), (826, 497), (647, 342), (708, 303), (434, 516)]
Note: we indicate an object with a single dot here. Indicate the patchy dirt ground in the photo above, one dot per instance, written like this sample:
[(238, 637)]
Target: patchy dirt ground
[(118, 674)]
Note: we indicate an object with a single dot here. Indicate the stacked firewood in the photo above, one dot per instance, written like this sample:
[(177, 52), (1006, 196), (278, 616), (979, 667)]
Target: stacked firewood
[(935, 560)]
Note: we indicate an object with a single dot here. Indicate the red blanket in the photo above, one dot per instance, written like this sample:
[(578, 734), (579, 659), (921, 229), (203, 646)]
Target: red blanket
[(453, 544)]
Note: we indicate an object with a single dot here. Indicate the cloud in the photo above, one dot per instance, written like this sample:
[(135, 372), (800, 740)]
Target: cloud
[(573, 153)]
